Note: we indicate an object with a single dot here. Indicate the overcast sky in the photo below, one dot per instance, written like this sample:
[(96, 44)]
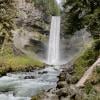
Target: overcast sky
[(58, 1)]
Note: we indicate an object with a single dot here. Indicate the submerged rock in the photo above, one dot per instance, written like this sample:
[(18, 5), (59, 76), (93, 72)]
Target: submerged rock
[(44, 72), (29, 77)]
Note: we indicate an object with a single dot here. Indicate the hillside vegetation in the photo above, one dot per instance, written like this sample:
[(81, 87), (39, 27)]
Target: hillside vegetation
[(80, 14), (50, 7)]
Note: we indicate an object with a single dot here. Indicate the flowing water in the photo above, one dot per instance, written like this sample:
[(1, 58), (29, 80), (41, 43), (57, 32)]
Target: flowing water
[(54, 39), (18, 86)]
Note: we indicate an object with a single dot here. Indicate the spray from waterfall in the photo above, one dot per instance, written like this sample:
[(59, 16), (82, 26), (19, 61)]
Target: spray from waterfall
[(54, 39), (60, 50)]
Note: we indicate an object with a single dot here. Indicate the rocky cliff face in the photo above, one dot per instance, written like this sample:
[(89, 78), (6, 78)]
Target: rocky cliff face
[(31, 24), (23, 21), (31, 18)]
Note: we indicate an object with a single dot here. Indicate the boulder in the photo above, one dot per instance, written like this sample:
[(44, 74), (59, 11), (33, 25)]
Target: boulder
[(61, 84), (43, 72), (29, 77), (63, 92), (62, 77)]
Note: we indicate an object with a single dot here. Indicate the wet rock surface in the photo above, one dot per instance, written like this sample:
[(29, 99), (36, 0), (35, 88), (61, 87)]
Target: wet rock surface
[(65, 89), (30, 28), (61, 84), (43, 72), (29, 77)]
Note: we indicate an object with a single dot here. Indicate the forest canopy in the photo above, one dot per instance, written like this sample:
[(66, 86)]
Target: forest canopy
[(80, 14)]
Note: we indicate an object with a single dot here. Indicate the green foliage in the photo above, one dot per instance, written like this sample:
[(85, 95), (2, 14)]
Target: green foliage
[(80, 14), (88, 88), (98, 69), (85, 60), (11, 63), (71, 23), (92, 86), (50, 7), (19, 63), (94, 97), (97, 46), (92, 21), (7, 12)]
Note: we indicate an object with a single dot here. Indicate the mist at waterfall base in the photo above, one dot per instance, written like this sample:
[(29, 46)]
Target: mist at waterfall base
[(71, 46), (62, 50), (56, 49)]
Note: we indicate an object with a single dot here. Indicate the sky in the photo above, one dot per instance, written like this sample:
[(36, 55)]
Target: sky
[(58, 1)]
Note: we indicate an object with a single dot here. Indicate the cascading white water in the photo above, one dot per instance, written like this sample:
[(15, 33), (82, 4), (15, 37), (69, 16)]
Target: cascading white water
[(54, 39)]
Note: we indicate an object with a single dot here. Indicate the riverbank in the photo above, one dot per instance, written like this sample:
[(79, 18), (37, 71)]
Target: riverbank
[(10, 62), (66, 88), (18, 64)]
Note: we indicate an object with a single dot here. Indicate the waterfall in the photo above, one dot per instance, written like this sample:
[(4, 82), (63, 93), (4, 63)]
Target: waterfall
[(54, 39)]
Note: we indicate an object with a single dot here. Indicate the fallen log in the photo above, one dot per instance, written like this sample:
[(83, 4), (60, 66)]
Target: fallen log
[(87, 74)]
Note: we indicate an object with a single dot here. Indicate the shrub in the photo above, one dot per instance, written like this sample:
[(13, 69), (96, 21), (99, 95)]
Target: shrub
[(88, 88), (87, 59), (98, 69)]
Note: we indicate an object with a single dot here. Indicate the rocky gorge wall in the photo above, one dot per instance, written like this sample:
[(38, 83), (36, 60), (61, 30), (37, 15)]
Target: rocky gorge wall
[(26, 19), (32, 23)]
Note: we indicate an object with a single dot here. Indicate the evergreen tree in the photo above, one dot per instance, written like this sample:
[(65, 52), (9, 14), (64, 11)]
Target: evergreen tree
[(82, 13)]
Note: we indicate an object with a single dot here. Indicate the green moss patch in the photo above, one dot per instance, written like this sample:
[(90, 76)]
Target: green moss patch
[(11, 63), (18, 63)]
